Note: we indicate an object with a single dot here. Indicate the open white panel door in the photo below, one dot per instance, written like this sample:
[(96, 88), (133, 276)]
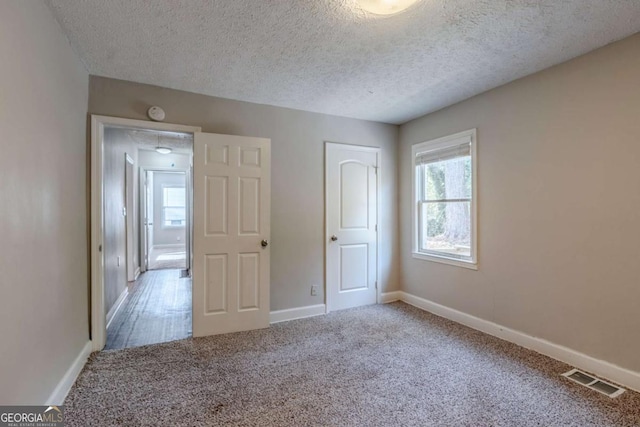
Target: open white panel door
[(231, 227)]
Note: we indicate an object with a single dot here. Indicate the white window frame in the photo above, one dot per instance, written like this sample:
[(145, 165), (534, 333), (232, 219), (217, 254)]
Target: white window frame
[(439, 144), (165, 186)]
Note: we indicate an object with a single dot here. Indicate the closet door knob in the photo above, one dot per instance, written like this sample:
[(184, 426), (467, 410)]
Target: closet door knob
[(334, 238)]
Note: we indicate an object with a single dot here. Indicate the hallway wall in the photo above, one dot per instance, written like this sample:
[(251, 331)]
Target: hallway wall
[(117, 143)]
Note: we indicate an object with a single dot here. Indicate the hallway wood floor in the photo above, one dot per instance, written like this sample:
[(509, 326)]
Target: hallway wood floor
[(158, 309), (167, 258)]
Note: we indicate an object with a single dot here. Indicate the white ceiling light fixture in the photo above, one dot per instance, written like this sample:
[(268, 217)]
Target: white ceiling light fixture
[(162, 150), (385, 7)]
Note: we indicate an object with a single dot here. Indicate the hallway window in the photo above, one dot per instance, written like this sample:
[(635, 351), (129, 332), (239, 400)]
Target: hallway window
[(173, 206), (444, 200)]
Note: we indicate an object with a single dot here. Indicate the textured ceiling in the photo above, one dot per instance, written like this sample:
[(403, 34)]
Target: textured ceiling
[(329, 56), (149, 140)]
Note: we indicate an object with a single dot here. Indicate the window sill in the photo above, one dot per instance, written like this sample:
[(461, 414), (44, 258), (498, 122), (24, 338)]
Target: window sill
[(443, 260)]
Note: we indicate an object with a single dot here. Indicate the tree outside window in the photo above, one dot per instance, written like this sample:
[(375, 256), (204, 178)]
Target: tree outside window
[(445, 199)]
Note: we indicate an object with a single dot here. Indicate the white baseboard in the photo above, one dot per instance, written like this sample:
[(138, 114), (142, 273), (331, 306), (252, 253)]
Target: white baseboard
[(297, 313), (387, 297), (116, 306), (601, 368), (59, 394), (169, 246)]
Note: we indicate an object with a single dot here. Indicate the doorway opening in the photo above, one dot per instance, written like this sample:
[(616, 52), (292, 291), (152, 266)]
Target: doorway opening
[(155, 303), (164, 219), (227, 181), (142, 194)]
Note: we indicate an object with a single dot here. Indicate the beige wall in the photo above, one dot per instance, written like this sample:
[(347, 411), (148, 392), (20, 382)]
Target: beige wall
[(43, 257), (297, 138), (558, 203)]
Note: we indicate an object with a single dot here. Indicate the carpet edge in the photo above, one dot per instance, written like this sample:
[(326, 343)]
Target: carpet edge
[(617, 374)]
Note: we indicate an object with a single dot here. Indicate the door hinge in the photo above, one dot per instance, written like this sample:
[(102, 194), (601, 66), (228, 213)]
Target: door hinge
[(376, 227), (376, 284)]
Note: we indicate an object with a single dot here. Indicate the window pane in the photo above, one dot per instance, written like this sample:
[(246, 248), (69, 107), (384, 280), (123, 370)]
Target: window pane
[(446, 227), (174, 216), (448, 179), (174, 196)]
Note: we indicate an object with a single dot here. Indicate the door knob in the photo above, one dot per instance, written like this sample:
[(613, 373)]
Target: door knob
[(334, 238), (264, 243)]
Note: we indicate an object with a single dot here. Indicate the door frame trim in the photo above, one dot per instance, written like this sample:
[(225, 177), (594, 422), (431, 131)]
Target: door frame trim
[(98, 123), (366, 148), (129, 224)]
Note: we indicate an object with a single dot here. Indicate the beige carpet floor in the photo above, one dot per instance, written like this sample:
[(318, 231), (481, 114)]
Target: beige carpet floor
[(386, 365)]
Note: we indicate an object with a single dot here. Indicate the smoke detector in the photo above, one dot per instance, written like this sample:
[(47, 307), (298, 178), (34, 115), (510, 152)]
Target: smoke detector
[(156, 113)]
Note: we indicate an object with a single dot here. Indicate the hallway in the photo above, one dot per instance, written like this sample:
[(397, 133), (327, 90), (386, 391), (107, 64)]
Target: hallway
[(158, 309)]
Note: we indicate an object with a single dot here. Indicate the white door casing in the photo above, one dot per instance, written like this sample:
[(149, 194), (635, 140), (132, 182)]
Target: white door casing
[(148, 217), (130, 216), (142, 218), (231, 228), (189, 216), (352, 183)]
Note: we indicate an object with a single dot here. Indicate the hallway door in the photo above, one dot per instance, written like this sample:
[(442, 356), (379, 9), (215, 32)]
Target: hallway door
[(146, 187)]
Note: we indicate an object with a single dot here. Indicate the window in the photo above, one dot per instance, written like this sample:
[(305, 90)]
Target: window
[(173, 206), (445, 200)]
